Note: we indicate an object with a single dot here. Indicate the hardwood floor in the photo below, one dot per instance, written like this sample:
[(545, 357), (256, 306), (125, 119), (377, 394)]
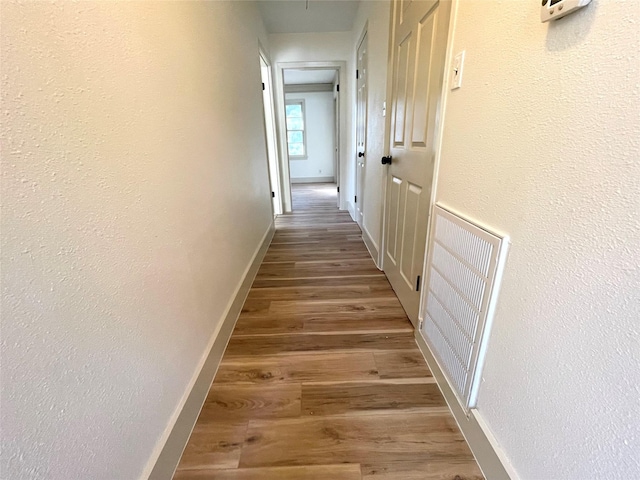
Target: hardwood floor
[(322, 378)]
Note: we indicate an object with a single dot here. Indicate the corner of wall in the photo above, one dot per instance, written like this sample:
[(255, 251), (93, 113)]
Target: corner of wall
[(351, 209), (371, 246)]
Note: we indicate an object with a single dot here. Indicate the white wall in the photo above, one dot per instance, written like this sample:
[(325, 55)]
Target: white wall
[(374, 15), (293, 48), (320, 126), (132, 144), (542, 142)]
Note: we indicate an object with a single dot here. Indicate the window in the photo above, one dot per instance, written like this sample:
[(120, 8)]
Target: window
[(296, 137)]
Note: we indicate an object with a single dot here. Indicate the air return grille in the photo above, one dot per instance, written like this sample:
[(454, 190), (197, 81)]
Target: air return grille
[(464, 268)]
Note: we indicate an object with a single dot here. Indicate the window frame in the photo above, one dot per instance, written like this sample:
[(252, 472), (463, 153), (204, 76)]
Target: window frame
[(298, 101)]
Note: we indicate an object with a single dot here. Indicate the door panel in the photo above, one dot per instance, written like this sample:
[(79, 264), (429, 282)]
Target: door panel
[(409, 240), (425, 44), (420, 38), (394, 210), (400, 97)]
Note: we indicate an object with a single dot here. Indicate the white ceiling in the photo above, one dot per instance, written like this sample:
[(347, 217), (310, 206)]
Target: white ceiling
[(292, 16), (300, 77)]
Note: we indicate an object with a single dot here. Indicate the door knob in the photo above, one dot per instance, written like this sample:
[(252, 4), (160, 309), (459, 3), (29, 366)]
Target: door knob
[(360, 154), (386, 160)]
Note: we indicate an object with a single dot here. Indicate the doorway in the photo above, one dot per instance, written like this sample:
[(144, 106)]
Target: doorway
[(310, 98), (298, 82)]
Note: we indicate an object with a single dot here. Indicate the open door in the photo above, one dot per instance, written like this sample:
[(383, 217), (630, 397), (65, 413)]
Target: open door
[(270, 134), (336, 146), (419, 49), (361, 127)]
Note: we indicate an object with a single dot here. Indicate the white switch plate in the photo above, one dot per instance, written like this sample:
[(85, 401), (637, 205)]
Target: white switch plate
[(456, 71)]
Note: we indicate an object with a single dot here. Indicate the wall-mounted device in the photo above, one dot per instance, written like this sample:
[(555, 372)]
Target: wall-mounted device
[(555, 9)]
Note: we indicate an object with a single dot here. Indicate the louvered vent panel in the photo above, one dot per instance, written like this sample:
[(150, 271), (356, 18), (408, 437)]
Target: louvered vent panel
[(464, 263)]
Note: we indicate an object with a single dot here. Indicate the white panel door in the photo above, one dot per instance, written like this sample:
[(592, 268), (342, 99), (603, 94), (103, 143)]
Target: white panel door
[(419, 46), (361, 128), (270, 136)]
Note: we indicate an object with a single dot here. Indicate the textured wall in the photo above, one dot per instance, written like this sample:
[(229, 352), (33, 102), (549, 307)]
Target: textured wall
[(542, 142), (320, 132), (132, 144), (375, 14)]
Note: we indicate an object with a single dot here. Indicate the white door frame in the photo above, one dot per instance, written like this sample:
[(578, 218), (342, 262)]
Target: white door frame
[(387, 133), (285, 179)]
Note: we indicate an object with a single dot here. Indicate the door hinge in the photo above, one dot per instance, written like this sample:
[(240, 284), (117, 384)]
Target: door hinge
[(338, 189), (355, 198), (337, 88), (357, 73), (262, 85), (418, 284), (273, 194)]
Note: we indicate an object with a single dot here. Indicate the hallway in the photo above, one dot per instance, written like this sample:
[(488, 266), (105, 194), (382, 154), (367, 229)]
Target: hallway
[(322, 378)]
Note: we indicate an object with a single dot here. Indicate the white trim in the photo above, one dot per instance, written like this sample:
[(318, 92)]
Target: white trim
[(313, 180), (168, 450), (484, 446), (352, 211), (371, 246), (387, 133)]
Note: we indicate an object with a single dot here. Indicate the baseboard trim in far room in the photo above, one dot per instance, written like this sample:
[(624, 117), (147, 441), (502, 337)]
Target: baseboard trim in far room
[(485, 448), (330, 179), (163, 465)]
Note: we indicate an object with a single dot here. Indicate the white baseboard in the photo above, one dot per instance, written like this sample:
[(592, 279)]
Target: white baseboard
[(330, 179), (352, 211), (371, 246), (163, 463), (485, 448)]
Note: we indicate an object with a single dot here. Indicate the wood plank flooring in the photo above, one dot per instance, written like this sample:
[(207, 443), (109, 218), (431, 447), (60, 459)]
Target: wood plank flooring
[(322, 378)]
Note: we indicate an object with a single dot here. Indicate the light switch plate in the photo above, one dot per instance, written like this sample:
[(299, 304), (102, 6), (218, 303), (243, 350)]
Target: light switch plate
[(456, 70)]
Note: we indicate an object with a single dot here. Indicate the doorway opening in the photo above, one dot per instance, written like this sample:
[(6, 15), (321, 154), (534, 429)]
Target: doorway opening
[(311, 118), (311, 98)]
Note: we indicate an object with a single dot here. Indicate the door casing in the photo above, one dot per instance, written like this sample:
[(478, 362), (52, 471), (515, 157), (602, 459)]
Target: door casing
[(285, 181)]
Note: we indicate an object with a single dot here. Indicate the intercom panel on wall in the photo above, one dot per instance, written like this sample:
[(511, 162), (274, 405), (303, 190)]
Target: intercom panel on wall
[(555, 9)]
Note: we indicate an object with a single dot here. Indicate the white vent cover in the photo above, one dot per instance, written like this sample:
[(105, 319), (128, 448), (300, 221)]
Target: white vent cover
[(463, 273)]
